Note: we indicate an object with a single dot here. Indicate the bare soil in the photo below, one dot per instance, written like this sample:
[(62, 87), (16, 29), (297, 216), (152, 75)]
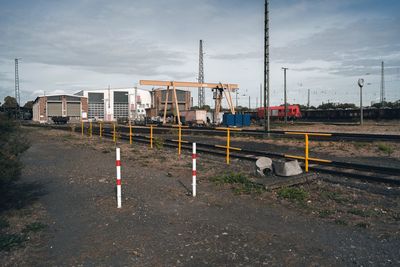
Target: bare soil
[(337, 222)]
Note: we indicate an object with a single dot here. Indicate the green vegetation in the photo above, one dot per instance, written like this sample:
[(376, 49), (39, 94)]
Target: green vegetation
[(241, 183), (9, 241), (331, 195), (293, 194), (385, 148), (325, 213), (359, 145), (34, 227), (158, 142), (12, 143)]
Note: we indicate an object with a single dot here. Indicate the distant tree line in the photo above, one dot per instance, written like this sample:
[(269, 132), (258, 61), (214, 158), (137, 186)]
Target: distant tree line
[(10, 108)]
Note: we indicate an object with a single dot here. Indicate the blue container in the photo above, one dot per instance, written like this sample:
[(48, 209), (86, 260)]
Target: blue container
[(228, 120), (246, 120), (239, 120)]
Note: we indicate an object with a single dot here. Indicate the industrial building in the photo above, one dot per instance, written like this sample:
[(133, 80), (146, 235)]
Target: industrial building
[(72, 106), (110, 104), (158, 97)]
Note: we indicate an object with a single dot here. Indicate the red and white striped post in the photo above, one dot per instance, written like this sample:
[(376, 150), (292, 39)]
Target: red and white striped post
[(118, 165), (194, 172)]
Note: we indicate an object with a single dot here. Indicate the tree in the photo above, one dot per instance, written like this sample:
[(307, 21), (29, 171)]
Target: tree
[(10, 102), (28, 105)]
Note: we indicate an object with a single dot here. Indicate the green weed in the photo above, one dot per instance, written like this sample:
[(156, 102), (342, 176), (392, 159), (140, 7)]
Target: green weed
[(325, 213), (241, 183), (340, 222), (9, 241), (385, 149), (34, 227), (293, 194)]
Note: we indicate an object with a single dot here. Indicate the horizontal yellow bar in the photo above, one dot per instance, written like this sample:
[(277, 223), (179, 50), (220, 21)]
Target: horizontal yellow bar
[(294, 157), (233, 148), (320, 160), (186, 142), (310, 159), (309, 134), (182, 126), (225, 129)]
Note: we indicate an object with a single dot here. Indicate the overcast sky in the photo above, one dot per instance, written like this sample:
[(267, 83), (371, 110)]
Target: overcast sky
[(70, 45)]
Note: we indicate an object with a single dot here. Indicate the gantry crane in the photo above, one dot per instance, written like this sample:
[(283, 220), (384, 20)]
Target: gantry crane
[(219, 90)]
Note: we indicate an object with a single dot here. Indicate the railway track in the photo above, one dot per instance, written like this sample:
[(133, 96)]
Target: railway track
[(360, 137), (365, 172)]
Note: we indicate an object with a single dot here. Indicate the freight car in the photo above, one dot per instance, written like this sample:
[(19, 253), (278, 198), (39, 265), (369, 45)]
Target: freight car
[(278, 112), (350, 114)]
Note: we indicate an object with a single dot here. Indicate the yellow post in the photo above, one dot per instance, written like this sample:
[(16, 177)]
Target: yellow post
[(114, 135), (179, 139), (151, 136), (82, 128), (228, 141), (90, 129), (130, 133), (306, 153), (100, 129)]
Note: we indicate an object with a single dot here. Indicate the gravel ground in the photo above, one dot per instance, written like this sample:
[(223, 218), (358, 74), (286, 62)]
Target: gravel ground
[(160, 225)]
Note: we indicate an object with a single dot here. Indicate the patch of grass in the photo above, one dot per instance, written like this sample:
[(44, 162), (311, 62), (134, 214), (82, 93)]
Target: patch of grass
[(4, 223), (293, 194), (34, 227), (333, 196), (325, 213), (340, 222), (9, 241), (241, 183), (158, 143), (359, 145), (385, 148), (362, 213)]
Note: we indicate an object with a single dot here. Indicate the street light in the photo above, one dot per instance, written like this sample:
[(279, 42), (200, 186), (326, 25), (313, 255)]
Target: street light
[(361, 84)]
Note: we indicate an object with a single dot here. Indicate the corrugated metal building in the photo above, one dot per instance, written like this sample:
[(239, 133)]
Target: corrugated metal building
[(158, 97), (72, 106), (109, 104)]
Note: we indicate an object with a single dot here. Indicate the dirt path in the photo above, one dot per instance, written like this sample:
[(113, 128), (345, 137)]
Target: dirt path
[(159, 225)]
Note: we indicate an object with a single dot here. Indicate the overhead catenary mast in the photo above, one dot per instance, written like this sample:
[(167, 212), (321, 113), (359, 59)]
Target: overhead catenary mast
[(201, 96), (17, 93), (266, 68), (383, 99)]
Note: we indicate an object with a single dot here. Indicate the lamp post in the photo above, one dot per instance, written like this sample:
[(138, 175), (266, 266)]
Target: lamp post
[(284, 88), (361, 84)]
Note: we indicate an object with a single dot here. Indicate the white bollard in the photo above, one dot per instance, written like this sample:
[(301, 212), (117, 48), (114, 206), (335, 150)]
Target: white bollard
[(118, 165), (194, 173)]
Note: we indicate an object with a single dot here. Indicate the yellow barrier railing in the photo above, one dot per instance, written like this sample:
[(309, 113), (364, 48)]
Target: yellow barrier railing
[(228, 142), (100, 129), (130, 133), (90, 129), (114, 133), (306, 157), (82, 128), (151, 134), (180, 141)]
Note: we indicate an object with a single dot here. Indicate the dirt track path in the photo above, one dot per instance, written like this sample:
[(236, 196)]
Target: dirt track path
[(160, 226)]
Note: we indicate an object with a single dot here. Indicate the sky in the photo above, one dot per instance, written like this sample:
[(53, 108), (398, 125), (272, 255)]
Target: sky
[(65, 46)]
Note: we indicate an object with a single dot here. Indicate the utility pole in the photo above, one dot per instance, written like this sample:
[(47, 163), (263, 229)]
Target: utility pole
[(382, 84), (284, 89), (17, 94), (361, 84), (249, 103), (201, 96), (308, 101), (260, 95), (266, 68)]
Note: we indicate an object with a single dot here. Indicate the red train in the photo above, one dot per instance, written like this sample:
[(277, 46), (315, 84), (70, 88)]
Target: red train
[(278, 112)]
